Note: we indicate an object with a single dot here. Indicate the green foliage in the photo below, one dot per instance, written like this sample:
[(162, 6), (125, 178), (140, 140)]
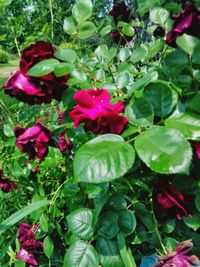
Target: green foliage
[(4, 56)]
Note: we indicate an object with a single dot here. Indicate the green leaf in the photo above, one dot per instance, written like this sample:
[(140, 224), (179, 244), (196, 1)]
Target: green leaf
[(128, 30), (186, 123), (123, 79), (81, 254), (109, 253), (70, 25), (124, 54), (100, 74), (43, 68), (48, 246), (80, 223), (196, 55), (138, 55), (193, 221), (8, 130), (164, 150), (124, 252), (103, 159), (162, 97), (197, 202), (102, 51), (66, 54), (193, 105), (82, 10), (63, 68), (144, 81), (20, 263), (86, 30), (175, 62), (80, 75), (17, 216), (44, 222), (126, 222), (140, 112), (187, 43), (108, 227), (105, 30), (117, 202), (169, 226), (159, 15)]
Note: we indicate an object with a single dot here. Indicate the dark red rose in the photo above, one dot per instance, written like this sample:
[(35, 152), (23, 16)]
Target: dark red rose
[(27, 239), (27, 258), (120, 12), (169, 198), (6, 185), (34, 141), (178, 257), (187, 21), (60, 117), (35, 53), (35, 90), (159, 32), (97, 113), (197, 149)]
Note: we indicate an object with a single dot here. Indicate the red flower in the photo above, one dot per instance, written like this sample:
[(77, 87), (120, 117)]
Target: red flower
[(120, 12), (34, 141), (169, 198), (60, 117), (35, 90), (95, 111), (27, 258), (197, 149), (6, 185), (178, 257), (26, 237), (187, 21)]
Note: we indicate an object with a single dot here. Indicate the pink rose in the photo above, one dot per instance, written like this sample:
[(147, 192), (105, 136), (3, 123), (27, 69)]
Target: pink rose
[(27, 258), (178, 257), (34, 140), (97, 113)]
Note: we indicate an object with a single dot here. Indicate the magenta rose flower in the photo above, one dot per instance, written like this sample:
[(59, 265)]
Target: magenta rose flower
[(35, 90), (97, 113), (170, 199), (178, 257), (187, 21), (6, 185), (27, 258), (197, 149), (34, 140)]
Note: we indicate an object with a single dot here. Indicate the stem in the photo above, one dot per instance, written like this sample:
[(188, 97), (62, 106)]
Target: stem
[(52, 19), (14, 36), (156, 228)]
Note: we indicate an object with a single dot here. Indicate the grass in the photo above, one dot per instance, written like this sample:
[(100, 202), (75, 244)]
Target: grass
[(6, 69)]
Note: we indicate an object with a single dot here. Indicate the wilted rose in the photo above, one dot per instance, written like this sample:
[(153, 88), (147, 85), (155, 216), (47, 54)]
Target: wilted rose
[(97, 113), (6, 185), (178, 257), (34, 140)]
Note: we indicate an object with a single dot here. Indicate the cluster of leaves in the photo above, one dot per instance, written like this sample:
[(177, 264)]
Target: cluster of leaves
[(99, 206)]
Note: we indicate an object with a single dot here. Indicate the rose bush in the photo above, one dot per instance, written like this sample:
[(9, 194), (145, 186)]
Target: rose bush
[(102, 142)]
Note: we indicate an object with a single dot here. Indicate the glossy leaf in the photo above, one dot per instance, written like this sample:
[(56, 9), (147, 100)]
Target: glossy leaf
[(159, 15), (126, 222), (63, 68), (80, 223), (109, 253), (70, 25), (66, 54), (103, 159), (164, 150), (86, 29), (162, 97), (140, 112), (43, 68), (108, 227), (186, 123), (138, 55), (81, 254), (48, 246), (82, 10), (187, 43)]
